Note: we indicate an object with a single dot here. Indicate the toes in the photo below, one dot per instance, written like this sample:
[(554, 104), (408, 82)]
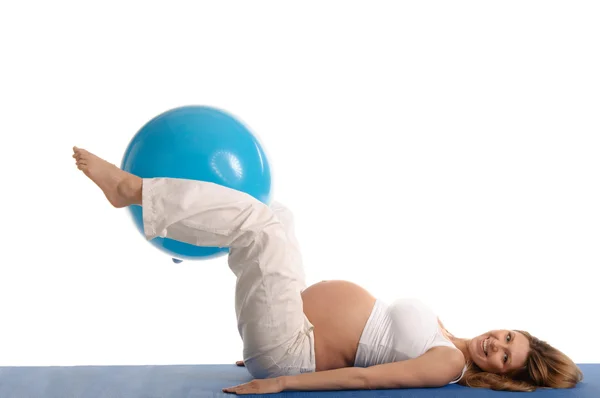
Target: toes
[(79, 151)]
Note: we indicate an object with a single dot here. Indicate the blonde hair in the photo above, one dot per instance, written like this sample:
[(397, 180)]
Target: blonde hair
[(545, 367)]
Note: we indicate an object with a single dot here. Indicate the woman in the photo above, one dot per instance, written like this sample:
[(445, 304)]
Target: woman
[(333, 335)]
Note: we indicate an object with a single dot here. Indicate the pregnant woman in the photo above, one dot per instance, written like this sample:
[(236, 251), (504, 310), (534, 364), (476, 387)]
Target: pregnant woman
[(333, 335)]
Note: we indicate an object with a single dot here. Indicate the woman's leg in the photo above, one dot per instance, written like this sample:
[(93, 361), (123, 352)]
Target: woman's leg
[(264, 254), (286, 217)]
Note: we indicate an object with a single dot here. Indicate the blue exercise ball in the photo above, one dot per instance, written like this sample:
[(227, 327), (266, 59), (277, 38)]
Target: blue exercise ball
[(200, 143)]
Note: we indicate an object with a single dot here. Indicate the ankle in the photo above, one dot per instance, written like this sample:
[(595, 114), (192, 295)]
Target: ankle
[(130, 188)]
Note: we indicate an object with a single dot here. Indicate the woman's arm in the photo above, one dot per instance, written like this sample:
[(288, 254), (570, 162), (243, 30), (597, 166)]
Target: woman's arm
[(436, 368)]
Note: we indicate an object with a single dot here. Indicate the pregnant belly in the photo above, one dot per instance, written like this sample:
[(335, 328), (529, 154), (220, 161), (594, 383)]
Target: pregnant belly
[(339, 311)]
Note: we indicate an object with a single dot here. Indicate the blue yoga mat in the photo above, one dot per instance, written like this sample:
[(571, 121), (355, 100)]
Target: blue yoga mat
[(195, 381)]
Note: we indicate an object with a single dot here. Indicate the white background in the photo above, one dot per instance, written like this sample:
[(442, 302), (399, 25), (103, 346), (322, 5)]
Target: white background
[(440, 150)]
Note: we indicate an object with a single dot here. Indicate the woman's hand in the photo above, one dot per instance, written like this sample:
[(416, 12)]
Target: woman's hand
[(240, 363), (257, 386)]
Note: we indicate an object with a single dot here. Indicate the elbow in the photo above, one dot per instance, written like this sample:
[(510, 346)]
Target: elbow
[(364, 380), (371, 379)]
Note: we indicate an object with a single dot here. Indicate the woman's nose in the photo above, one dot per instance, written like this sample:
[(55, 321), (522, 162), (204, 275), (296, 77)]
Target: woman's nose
[(496, 345)]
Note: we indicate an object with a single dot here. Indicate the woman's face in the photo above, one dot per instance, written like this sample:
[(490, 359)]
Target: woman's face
[(499, 351)]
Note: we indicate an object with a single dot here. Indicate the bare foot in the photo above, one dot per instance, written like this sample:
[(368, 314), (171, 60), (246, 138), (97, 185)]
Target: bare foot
[(120, 187)]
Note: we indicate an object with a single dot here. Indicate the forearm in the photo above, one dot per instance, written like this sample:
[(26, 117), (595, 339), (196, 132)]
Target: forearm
[(338, 379)]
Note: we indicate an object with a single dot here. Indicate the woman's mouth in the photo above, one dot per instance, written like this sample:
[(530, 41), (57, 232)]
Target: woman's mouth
[(484, 346)]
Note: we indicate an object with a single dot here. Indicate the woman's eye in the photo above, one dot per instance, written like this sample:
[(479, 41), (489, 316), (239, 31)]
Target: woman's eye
[(505, 358)]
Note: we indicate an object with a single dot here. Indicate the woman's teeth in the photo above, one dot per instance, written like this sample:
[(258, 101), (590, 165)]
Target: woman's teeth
[(485, 346)]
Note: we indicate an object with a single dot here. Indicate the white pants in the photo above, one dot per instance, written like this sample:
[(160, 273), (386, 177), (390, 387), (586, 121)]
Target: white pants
[(264, 256)]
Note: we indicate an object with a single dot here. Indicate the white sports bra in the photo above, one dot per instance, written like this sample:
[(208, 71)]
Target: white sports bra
[(402, 330)]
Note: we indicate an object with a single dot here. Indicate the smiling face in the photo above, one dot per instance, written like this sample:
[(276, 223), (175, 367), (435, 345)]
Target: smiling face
[(499, 351)]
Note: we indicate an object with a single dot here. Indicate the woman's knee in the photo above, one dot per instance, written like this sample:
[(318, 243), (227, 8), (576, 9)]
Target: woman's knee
[(262, 367)]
